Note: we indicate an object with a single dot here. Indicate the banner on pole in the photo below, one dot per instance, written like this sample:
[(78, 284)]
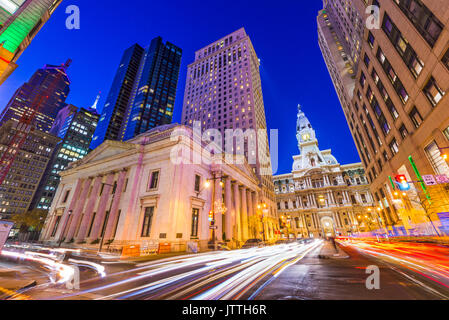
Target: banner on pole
[(442, 178)]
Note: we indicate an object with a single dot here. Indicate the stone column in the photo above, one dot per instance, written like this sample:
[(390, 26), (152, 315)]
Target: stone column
[(347, 197), (112, 220), (78, 209), (258, 213), (87, 218), (251, 217), (237, 206), (230, 213), (244, 214), (218, 215), (102, 207), (63, 225)]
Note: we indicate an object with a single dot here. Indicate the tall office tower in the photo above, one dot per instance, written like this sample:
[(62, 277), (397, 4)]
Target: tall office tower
[(46, 90), (156, 90), (20, 21), (224, 91), (119, 97), (143, 93), (23, 178), (340, 33), (76, 127), (399, 113)]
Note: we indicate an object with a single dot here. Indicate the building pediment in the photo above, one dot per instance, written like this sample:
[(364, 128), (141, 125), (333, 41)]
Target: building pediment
[(105, 150)]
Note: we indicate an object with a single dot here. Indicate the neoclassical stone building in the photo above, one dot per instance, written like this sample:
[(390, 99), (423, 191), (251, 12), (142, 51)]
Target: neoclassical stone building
[(320, 197), (151, 189)]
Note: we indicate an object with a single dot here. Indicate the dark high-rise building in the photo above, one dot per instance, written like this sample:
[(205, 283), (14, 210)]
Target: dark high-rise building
[(20, 21), (119, 97), (143, 93), (75, 126), (46, 90), (155, 95)]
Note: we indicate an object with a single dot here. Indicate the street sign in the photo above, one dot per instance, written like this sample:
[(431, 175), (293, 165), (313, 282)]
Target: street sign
[(5, 228), (213, 227), (442, 178), (429, 180)]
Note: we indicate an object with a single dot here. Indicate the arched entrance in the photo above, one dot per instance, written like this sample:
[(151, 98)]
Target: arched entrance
[(327, 225)]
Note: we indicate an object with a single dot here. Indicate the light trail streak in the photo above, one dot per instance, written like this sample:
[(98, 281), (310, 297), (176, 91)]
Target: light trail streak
[(427, 260)]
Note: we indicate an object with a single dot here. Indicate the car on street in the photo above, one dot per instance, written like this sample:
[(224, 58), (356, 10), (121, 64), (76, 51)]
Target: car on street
[(253, 243)]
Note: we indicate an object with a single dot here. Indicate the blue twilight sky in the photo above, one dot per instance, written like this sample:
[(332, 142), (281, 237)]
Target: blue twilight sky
[(283, 32)]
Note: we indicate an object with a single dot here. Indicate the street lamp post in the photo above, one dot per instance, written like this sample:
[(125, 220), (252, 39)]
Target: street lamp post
[(263, 208), (213, 226)]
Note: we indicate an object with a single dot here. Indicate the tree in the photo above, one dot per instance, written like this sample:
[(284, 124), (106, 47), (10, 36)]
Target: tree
[(31, 221)]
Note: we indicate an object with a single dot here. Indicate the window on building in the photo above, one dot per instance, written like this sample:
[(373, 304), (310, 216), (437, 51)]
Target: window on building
[(403, 131), (394, 146), (66, 196), (353, 199), (371, 39), (195, 220), (416, 118), (445, 59), (55, 228), (154, 180), (436, 160), (197, 183), (433, 92), (446, 133), (362, 79), (366, 60), (147, 220)]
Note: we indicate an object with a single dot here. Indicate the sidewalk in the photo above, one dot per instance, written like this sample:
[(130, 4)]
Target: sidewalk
[(328, 251)]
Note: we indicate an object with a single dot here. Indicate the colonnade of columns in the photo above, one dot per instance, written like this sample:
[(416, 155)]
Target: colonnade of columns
[(241, 218), (93, 209)]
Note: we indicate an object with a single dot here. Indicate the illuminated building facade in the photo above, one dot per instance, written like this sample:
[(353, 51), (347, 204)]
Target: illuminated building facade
[(224, 91), (398, 110), (321, 197), (75, 126), (20, 21), (138, 193), (143, 93), (46, 91), (22, 181)]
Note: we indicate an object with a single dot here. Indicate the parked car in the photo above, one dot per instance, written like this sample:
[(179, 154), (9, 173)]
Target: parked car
[(253, 243)]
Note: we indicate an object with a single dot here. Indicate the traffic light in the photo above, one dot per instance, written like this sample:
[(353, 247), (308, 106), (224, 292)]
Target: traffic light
[(402, 183), (211, 216)]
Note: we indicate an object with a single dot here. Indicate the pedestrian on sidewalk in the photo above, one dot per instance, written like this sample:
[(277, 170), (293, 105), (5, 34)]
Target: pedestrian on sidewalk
[(334, 243)]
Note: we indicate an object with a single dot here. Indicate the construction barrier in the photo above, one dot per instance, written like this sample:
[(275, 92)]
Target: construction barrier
[(164, 247), (131, 251)]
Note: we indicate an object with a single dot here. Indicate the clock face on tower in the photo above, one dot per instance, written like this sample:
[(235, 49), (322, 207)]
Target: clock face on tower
[(305, 137)]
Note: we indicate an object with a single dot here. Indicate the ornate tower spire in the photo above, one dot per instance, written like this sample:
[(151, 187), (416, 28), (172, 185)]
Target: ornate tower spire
[(304, 131), (94, 106)]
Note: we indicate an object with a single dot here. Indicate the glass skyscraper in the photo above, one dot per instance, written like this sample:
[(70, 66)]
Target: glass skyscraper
[(143, 92), (46, 90)]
